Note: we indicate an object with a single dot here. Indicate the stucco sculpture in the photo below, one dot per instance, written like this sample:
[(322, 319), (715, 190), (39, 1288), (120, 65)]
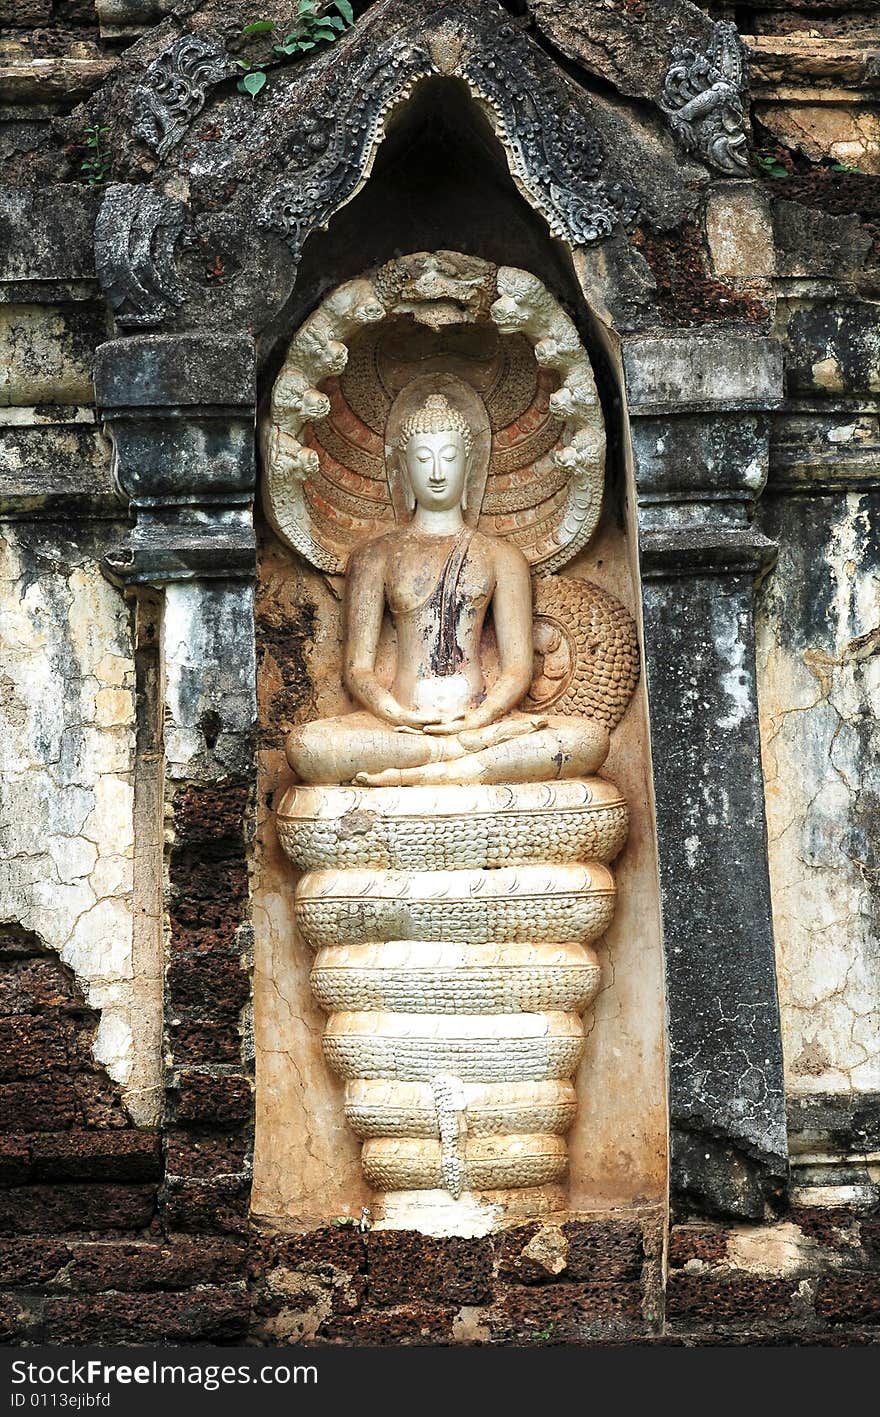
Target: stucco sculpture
[(454, 836), (438, 577)]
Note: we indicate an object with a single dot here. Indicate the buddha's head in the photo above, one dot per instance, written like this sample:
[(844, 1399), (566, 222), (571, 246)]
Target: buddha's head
[(435, 443)]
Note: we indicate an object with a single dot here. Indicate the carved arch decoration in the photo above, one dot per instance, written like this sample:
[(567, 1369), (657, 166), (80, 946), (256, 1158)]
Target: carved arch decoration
[(444, 315), (311, 146), (553, 153)]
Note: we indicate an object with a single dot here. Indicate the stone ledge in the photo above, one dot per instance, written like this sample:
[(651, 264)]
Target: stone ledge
[(52, 81), (704, 550), (153, 372), (687, 372)]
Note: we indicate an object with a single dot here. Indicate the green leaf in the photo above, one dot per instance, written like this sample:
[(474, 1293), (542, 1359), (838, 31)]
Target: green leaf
[(286, 49), (323, 33), (770, 166), (259, 27), (345, 10), (336, 21), (253, 82), (306, 44), (243, 63), (307, 7)]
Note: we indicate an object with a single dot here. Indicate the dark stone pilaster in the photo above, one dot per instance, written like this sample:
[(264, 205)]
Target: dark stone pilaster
[(180, 410), (699, 430)]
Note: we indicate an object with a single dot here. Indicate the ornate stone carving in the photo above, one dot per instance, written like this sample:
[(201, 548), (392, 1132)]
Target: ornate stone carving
[(454, 1010), (454, 888), (173, 90), (135, 234), (330, 152), (553, 151), (415, 831), (545, 127), (498, 330), (703, 96), (586, 652), (294, 172)]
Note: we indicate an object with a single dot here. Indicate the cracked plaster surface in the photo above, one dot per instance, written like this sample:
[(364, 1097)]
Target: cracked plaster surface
[(208, 661), (67, 743), (819, 695)]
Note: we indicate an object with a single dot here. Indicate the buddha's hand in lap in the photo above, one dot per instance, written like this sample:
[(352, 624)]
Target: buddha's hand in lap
[(388, 711), (473, 735)]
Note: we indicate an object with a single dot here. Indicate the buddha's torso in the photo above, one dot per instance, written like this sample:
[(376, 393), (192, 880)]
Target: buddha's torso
[(438, 619)]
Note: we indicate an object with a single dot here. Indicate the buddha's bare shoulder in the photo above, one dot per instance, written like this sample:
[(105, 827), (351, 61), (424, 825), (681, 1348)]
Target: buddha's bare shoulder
[(502, 552), (373, 552)]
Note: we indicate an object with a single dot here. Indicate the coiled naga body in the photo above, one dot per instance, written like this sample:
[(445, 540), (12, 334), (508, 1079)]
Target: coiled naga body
[(455, 851)]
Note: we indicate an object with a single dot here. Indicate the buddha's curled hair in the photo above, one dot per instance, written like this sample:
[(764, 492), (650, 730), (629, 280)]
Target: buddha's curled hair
[(436, 415)]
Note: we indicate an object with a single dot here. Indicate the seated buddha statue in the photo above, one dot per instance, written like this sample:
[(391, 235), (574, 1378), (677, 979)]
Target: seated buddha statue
[(438, 578)]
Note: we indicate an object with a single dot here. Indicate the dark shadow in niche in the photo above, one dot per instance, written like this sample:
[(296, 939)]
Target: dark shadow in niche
[(440, 180)]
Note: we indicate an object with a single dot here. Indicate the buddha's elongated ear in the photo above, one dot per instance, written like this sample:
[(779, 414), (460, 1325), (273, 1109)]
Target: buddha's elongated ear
[(409, 496), (467, 477)]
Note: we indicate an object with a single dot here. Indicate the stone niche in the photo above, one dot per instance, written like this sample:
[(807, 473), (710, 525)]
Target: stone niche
[(323, 445)]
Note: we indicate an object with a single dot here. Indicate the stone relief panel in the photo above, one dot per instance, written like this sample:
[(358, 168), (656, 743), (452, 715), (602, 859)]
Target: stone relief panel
[(705, 98), (497, 328), (455, 845), (308, 1158)]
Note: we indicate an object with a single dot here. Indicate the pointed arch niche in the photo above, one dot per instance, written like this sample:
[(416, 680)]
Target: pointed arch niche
[(441, 180)]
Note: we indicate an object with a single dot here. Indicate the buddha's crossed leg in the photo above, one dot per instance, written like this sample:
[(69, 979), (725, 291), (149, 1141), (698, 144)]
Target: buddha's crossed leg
[(359, 748)]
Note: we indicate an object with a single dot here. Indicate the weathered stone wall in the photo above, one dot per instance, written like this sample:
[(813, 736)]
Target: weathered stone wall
[(820, 683), (129, 791), (68, 764)]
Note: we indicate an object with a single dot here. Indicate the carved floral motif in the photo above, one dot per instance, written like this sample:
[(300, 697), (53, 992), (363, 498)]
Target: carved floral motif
[(174, 88)]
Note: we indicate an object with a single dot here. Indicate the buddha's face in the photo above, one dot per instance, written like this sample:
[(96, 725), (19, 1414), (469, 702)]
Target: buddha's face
[(436, 465)]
